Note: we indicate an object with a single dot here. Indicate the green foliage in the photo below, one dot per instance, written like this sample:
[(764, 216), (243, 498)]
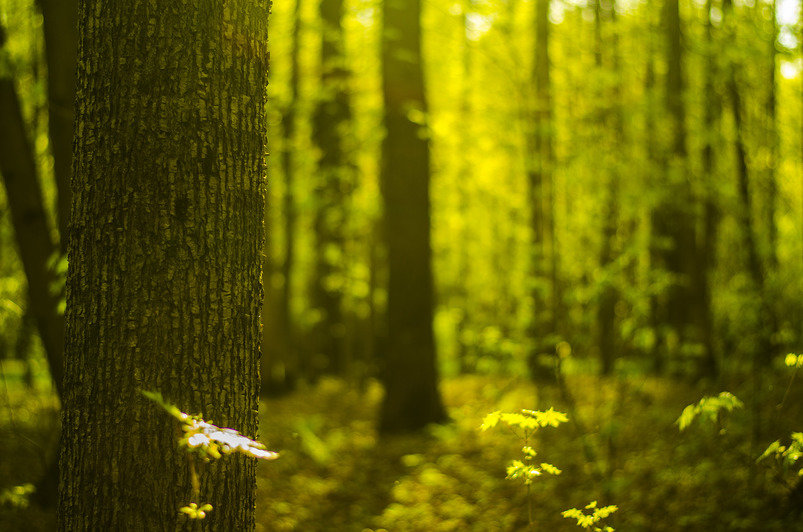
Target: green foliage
[(209, 442), (528, 421), (194, 512), (708, 408), (17, 496), (57, 264), (786, 457), (793, 360), (590, 521)]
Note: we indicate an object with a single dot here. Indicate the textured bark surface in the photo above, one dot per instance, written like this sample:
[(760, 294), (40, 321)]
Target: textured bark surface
[(31, 228), (412, 399), (163, 288)]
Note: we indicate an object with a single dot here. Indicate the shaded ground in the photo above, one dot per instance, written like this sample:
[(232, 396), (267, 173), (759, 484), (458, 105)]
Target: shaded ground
[(335, 474)]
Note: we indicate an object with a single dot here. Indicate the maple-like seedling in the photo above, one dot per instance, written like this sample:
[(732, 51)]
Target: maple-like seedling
[(207, 441)]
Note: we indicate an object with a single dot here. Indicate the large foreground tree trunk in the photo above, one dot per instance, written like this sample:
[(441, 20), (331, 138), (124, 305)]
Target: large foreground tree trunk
[(163, 288), (412, 399)]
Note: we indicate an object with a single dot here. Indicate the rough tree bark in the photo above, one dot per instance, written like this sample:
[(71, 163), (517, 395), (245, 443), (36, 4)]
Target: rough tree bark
[(412, 399), (163, 287)]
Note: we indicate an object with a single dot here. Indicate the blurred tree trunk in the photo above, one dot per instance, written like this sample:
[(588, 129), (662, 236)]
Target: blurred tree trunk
[(464, 177), (771, 113), (762, 342), (163, 288), (279, 368), (412, 399), (755, 268), (651, 155), (33, 236), (541, 195), (22, 347), (711, 215), (673, 224), (332, 183), (288, 201), (60, 25), (613, 124)]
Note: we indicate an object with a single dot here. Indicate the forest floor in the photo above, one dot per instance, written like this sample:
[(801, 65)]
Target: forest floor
[(621, 446)]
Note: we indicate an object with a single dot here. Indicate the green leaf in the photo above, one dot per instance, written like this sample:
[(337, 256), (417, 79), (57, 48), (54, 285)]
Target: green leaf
[(490, 421), (549, 468)]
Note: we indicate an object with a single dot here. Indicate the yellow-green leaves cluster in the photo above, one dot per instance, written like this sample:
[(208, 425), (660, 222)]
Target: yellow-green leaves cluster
[(786, 455), (528, 420), (793, 360), (591, 521), (17, 496), (208, 440), (211, 441), (193, 511), (528, 471), (709, 408)]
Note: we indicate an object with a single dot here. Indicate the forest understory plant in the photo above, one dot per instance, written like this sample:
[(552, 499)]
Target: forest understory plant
[(590, 521), (785, 459), (206, 442), (524, 425)]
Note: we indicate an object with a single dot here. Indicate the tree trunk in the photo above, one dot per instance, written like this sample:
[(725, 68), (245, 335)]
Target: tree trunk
[(762, 350), (163, 287), (541, 193), (706, 253), (612, 122), (673, 224), (771, 202), (60, 25), (330, 125), (279, 366), (464, 177), (30, 223), (412, 399)]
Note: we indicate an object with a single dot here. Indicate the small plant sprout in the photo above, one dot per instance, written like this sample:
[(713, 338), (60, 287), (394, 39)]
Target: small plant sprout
[(709, 408), (785, 457), (795, 361), (207, 442), (591, 521), (524, 426)]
